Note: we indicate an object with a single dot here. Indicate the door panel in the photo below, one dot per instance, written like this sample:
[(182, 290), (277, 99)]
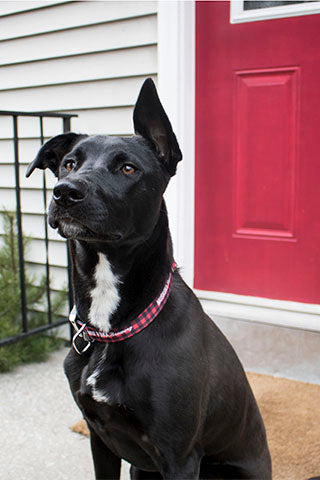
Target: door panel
[(264, 187), (257, 222)]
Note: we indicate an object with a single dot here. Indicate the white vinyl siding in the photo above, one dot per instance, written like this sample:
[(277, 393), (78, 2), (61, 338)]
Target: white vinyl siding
[(9, 7), (87, 58), (93, 66)]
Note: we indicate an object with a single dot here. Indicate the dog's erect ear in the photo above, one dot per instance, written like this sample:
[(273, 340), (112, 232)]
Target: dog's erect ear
[(151, 122), (53, 151)]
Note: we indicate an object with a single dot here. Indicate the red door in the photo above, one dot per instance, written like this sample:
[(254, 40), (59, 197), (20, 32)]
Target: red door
[(257, 217)]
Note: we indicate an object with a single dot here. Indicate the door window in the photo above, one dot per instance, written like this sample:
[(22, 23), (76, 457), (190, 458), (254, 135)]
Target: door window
[(251, 11)]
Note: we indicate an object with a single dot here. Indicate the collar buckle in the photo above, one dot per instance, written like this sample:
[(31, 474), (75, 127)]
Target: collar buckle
[(80, 332)]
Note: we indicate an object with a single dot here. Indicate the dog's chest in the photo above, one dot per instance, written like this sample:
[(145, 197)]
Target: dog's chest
[(103, 379), (112, 412)]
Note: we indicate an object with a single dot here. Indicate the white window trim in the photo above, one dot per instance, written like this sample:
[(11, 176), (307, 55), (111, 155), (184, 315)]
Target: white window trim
[(239, 15), (176, 82)]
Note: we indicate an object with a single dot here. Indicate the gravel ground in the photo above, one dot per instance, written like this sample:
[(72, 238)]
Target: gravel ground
[(36, 413)]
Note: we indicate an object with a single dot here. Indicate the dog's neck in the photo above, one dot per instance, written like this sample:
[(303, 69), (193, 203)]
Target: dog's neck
[(115, 283)]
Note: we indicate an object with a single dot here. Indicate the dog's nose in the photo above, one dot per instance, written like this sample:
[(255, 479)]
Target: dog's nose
[(69, 193)]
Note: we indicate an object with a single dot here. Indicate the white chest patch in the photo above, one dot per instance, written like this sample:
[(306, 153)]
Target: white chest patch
[(96, 394), (104, 296)]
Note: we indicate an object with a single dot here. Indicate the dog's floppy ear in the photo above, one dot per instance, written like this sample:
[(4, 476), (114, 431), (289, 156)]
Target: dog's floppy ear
[(53, 151), (151, 122)]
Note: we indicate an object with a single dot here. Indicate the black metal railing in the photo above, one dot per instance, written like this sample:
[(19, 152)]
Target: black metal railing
[(25, 330)]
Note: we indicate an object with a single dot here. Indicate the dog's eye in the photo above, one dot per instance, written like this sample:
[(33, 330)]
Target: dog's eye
[(69, 165), (128, 169)]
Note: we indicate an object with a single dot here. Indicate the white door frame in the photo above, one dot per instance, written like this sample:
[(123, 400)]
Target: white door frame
[(176, 82)]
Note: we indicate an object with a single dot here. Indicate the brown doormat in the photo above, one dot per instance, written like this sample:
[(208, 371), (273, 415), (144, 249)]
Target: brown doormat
[(291, 412)]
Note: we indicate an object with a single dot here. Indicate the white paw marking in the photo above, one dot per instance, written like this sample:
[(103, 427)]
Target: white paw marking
[(104, 296)]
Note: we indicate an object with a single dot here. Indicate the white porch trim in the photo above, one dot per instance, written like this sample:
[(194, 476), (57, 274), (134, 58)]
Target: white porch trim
[(261, 310), (176, 82)]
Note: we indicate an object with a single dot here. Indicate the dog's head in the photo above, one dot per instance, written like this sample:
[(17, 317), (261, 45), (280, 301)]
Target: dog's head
[(110, 188)]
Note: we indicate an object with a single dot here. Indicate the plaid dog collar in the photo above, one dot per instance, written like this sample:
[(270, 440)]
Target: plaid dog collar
[(90, 334)]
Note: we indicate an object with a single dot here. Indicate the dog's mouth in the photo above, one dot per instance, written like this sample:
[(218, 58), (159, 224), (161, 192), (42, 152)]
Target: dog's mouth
[(71, 228)]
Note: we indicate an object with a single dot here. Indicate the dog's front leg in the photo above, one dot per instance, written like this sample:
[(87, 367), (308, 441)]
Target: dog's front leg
[(183, 469), (106, 465)]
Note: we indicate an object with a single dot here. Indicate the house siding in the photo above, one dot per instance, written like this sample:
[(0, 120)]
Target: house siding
[(87, 58)]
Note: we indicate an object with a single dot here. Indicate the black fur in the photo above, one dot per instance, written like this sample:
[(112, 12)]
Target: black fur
[(179, 404)]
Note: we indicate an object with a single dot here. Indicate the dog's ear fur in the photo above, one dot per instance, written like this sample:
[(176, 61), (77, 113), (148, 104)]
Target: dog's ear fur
[(53, 151), (151, 122)]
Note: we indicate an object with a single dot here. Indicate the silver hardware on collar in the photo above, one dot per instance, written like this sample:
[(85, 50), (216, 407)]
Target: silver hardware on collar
[(79, 332)]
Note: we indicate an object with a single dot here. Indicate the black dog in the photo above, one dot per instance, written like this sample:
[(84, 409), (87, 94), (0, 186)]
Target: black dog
[(172, 399)]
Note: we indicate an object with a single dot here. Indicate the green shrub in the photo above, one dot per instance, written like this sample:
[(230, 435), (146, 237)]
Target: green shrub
[(36, 347)]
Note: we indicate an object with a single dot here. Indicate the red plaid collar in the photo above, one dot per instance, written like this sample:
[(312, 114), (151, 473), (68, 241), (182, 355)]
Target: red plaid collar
[(91, 334)]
